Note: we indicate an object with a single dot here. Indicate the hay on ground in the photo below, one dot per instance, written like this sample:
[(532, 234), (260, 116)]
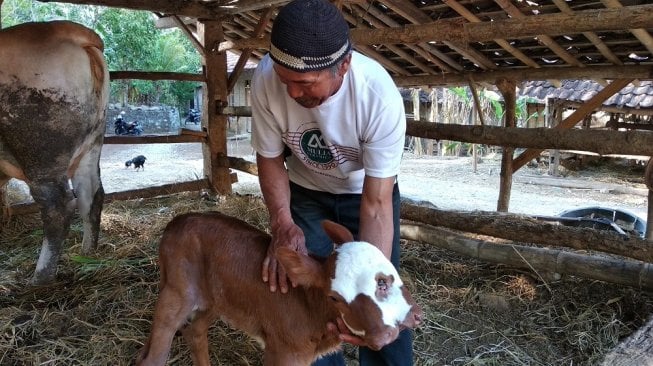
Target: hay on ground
[(99, 310)]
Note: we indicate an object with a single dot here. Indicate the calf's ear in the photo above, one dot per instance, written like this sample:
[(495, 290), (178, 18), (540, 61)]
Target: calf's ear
[(338, 233), (301, 269)]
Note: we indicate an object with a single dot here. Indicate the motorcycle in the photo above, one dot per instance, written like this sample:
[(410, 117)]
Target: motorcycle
[(194, 116), (127, 128)]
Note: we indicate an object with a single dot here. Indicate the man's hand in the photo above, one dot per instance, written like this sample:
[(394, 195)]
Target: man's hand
[(290, 236)]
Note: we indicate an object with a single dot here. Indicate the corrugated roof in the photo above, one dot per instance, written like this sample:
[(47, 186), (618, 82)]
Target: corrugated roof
[(638, 95)]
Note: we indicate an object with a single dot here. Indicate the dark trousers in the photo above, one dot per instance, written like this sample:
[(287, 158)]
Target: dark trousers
[(308, 209)]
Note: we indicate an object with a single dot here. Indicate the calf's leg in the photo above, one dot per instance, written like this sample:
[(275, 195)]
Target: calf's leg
[(53, 197), (170, 313), (196, 336)]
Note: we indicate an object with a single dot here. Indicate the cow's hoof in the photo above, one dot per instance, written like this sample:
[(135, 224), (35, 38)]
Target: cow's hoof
[(42, 279)]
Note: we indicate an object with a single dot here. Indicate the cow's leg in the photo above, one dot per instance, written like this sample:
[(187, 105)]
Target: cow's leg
[(53, 197), (170, 313), (90, 197), (196, 336)]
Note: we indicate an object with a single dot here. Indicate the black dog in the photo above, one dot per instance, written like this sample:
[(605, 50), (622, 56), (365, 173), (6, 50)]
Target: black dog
[(139, 162)]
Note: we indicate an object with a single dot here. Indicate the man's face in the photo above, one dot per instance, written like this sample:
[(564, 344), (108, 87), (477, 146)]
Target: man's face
[(310, 89)]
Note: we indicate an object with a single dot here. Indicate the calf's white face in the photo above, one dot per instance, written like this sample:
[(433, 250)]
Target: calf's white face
[(363, 274)]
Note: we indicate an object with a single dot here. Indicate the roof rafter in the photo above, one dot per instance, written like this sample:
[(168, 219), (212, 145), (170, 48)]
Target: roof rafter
[(455, 30)]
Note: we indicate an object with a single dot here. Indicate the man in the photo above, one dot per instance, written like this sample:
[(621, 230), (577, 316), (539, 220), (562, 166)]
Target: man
[(329, 128)]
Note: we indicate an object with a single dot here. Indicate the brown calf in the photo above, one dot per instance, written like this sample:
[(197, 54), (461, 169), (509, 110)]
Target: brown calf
[(211, 269)]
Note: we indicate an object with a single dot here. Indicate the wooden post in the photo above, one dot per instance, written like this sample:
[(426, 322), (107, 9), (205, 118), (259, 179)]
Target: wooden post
[(216, 165), (648, 180), (554, 117), (509, 92)]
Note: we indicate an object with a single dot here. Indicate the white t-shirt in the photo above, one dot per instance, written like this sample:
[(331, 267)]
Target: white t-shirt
[(357, 131)]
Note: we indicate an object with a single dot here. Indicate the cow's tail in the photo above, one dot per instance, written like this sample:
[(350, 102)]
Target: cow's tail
[(98, 69), (90, 41)]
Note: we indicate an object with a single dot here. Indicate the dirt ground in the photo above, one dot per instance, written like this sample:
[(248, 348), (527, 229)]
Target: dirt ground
[(477, 313), (447, 182)]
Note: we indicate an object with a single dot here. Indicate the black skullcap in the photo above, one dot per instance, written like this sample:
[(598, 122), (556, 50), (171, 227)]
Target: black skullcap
[(309, 35)]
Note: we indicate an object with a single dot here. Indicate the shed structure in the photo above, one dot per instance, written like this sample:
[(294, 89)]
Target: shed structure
[(426, 43)]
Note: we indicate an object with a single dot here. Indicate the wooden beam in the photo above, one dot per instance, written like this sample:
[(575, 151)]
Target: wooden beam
[(215, 97), (165, 189), (602, 142), (591, 36), (156, 75), (515, 13), (642, 34), (191, 36), (215, 10), (391, 66), (580, 113), (395, 49), (459, 30), (460, 9), (169, 139), (641, 72), (373, 15), (417, 16), (508, 89), (244, 56), (196, 9), (530, 229)]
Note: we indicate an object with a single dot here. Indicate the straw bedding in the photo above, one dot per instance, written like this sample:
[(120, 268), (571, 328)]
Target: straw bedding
[(99, 310)]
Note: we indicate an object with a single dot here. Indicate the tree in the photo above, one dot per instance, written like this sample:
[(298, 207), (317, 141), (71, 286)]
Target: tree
[(131, 42)]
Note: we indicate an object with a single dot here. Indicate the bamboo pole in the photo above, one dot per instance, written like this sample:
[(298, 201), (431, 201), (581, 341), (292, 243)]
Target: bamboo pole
[(594, 266)]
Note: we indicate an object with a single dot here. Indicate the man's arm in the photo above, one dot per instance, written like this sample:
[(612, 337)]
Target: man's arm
[(376, 219), (273, 179)]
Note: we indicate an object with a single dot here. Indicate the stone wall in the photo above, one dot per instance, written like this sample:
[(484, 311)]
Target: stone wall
[(154, 119)]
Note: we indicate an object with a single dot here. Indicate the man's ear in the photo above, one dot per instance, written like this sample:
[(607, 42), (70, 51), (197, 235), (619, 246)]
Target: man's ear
[(338, 233), (301, 269), (344, 66)]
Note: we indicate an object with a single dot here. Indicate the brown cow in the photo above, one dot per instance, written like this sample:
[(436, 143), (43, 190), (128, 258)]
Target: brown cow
[(54, 88), (211, 269)]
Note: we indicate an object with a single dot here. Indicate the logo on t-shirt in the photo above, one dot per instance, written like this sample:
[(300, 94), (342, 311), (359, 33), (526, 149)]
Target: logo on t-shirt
[(309, 146), (313, 147)]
